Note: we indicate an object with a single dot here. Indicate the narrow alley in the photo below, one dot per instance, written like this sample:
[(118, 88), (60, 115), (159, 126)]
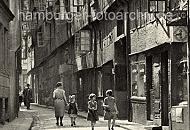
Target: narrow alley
[(120, 60)]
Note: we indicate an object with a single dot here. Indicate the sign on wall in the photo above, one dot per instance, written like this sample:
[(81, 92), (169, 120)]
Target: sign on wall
[(176, 18), (180, 34)]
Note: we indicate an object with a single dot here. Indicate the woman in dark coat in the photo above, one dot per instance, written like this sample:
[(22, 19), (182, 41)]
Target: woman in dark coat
[(60, 102)]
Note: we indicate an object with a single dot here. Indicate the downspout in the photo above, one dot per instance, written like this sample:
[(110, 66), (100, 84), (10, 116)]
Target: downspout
[(128, 51), (188, 66), (95, 49)]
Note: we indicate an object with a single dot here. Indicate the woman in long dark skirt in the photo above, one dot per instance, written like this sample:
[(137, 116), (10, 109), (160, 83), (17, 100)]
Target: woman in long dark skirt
[(60, 102)]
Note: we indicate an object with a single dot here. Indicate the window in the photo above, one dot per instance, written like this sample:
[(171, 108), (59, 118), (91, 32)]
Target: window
[(82, 41), (41, 36), (73, 8), (180, 66), (40, 39), (138, 79), (41, 5), (78, 2), (156, 6), (36, 3), (58, 9), (120, 24), (139, 15), (24, 47), (85, 40)]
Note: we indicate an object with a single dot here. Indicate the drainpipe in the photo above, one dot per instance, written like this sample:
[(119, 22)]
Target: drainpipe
[(93, 28), (95, 58), (188, 66), (128, 51)]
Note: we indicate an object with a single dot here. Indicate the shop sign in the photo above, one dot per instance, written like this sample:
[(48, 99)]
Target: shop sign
[(176, 18), (180, 34)]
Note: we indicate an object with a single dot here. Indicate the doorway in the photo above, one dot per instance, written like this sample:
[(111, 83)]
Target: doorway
[(157, 88), (164, 89)]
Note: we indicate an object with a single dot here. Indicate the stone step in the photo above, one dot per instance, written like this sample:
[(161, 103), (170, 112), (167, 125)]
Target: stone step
[(152, 127), (149, 123)]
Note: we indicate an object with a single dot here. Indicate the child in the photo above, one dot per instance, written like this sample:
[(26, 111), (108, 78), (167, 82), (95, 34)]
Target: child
[(73, 110), (110, 109), (92, 110)]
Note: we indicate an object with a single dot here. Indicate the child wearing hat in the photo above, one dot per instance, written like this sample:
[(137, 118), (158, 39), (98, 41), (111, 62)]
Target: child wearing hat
[(73, 109)]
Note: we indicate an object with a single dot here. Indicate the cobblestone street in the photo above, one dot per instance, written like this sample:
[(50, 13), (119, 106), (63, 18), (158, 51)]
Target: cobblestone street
[(46, 120), (42, 118)]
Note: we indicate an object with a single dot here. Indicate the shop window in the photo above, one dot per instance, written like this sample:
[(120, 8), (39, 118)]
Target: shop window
[(138, 79), (181, 63), (182, 67)]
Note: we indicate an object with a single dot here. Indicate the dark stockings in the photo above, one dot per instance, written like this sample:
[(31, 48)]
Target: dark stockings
[(57, 118), (61, 121)]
